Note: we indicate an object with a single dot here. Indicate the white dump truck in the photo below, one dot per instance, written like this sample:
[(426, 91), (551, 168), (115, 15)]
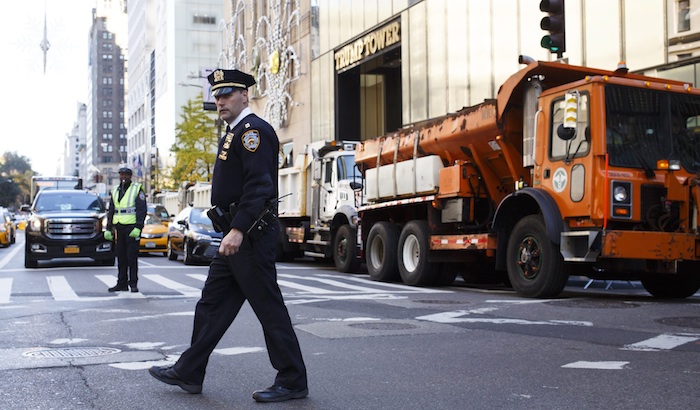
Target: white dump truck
[(317, 210)]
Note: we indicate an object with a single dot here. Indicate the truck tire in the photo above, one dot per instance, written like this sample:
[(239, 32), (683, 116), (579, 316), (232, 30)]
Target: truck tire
[(414, 268), (535, 265), (672, 286), (172, 256), (29, 261), (382, 244), (345, 250)]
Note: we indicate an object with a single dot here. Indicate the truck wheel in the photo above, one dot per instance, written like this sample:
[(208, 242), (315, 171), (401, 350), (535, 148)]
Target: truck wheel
[(672, 286), (345, 250), (29, 261), (535, 265), (172, 256), (382, 243), (414, 268)]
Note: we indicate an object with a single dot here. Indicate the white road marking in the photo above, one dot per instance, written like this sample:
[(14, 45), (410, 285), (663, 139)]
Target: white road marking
[(60, 289), (403, 288), (661, 342), (148, 317), (198, 276), (458, 317), (229, 351), (176, 286), (10, 256), (5, 289), (66, 341), (596, 365), (335, 283)]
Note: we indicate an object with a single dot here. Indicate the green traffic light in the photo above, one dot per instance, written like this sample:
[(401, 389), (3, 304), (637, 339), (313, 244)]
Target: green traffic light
[(549, 44)]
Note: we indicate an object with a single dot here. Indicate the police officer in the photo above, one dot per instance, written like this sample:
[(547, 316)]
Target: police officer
[(127, 211), (245, 173)]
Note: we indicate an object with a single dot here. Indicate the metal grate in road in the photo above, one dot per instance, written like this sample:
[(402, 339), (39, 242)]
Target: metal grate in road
[(70, 352)]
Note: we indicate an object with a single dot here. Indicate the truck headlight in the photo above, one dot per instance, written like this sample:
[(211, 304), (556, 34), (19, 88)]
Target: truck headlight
[(620, 194)]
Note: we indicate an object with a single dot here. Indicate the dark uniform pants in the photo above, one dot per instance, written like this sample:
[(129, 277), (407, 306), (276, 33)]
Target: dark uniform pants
[(127, 256), (250, 275)]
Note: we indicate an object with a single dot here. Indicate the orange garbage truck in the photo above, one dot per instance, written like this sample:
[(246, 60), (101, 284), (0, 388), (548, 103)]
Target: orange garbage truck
[(569, 171)]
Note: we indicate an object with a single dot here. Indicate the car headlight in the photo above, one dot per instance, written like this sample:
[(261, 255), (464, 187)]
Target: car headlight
[(34, 224), (201, 237)]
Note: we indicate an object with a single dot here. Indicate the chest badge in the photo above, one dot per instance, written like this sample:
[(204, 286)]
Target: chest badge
[(251, 140)]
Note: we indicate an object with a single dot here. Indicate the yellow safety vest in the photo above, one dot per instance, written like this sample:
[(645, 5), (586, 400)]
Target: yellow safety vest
[(125, 210)]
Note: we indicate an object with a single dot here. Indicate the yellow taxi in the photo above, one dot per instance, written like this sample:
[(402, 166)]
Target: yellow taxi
[(154, 235), (7, 228)]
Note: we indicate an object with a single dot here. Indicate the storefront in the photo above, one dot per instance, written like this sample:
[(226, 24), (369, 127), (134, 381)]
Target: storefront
[(368, 83)]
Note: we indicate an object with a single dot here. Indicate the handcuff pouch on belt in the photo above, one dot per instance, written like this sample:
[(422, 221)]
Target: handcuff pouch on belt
[(220, 219)]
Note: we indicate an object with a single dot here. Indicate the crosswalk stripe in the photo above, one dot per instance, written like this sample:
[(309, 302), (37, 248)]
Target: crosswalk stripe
[(661, 342), (60, 289), (109, 280), (176, 286), (305, 288), (198, 276), (334, 283), (404, 288), (5, 290)]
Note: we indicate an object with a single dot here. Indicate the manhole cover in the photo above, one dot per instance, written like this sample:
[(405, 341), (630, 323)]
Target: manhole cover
[(681, 321), (67, 352), (383, 326), (440, 302), (593, 304)]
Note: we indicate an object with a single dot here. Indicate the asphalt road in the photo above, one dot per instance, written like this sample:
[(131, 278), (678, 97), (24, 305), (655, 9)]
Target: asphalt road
[(66, 343)]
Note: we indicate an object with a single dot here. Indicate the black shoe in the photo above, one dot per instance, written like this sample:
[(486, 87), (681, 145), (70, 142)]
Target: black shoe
[(118, 288), (134, 289), (168, 376), (278, 393)]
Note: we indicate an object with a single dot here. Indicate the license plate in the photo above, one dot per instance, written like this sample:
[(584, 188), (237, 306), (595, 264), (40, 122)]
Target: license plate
[(71, 249), (150, 244)]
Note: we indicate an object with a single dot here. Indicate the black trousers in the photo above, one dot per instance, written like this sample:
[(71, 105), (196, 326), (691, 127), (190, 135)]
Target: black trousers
[(127, 256), (249, 275)]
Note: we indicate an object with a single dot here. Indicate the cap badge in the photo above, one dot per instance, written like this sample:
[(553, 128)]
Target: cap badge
[(218, 76)]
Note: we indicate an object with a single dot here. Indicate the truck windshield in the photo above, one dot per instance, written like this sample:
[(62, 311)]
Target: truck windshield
[(78, 201), (644, 126), (347, 168)]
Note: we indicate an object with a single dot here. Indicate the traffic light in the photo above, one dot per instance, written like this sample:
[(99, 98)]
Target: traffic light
[(555, 41)]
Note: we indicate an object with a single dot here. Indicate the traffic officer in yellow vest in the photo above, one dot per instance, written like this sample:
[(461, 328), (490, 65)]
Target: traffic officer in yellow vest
[(127, 211)]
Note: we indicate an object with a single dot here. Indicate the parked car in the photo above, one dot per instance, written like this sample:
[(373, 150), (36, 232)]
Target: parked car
[(7, 228), (192, 235), (66, 224), (160, 212), (154, 235)]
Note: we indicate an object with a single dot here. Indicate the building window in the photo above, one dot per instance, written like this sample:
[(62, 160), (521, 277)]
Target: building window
[(683, 15)]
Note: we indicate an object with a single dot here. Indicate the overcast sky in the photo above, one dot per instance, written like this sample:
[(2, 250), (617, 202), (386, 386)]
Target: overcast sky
[(37, 109)]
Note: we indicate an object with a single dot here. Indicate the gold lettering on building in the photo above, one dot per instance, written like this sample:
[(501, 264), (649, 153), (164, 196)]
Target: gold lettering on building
[(368, 45)]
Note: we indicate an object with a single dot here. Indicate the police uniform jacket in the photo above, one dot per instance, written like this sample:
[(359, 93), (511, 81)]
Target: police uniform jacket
[(245, 171)]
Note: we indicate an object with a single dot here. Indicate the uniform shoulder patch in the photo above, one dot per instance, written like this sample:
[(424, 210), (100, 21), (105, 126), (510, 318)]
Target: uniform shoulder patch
[(142, 196), (251, 140)]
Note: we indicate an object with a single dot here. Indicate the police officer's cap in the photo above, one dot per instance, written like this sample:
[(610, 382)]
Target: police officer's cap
[(125, 170), (227, 81)]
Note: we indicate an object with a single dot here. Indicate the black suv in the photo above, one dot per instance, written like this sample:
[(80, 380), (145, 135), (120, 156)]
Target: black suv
[(67, 224)]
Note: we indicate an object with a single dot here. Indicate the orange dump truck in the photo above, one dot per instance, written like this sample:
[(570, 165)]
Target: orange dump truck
[(569, 171)]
